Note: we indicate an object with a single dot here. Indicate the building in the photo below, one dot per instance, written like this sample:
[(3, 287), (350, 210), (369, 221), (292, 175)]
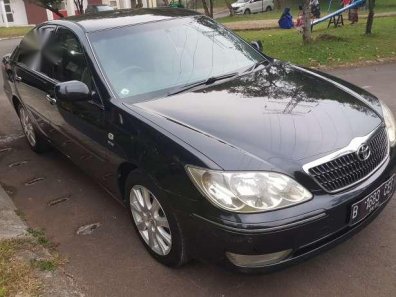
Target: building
[(23, 12)]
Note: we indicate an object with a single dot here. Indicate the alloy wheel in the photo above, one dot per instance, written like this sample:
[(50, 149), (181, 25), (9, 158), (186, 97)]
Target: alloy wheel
[(150, 220), (27, 126)]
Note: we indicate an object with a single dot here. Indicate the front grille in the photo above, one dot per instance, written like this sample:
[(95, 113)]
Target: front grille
[(347, 170)]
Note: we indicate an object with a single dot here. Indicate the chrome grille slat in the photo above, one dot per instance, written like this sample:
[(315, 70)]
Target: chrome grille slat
[(347, 170)]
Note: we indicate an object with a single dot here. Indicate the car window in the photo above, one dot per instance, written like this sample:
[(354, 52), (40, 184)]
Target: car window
[(63, 58), (29, 48)]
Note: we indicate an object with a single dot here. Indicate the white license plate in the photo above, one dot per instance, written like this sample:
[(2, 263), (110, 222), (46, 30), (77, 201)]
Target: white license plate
[(360, 210)]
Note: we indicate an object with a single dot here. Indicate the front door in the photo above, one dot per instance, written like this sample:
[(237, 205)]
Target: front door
[(31, 85), (81, 125), (257, 6)]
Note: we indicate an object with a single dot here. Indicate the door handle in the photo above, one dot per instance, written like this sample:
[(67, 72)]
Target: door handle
[(50, 99)]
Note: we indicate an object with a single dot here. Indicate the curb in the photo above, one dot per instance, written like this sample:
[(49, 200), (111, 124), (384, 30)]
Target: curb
[(11, 225), (10, 38)]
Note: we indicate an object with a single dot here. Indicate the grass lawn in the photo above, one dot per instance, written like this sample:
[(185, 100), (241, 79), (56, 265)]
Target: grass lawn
[(13, 31), (332, 47), (381, 6), (23, 264)]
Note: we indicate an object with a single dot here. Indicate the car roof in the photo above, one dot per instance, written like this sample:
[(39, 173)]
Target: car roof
[(124, 17)]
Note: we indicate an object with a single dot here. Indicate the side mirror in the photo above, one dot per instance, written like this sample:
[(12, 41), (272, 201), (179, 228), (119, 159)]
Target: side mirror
[(72, 91), (257, 44)]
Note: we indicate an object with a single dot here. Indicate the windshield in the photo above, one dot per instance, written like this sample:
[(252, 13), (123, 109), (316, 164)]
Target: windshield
[(158, 57), (242, 1)]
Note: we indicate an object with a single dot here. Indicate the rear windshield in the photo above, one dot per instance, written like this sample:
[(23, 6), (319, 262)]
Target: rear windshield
[(160, 56)]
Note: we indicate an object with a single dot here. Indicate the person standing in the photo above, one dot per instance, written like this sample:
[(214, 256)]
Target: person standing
[(354, 14), (345, 3), (315, 8)]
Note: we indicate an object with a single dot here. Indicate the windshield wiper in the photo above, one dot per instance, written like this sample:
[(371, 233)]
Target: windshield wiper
[(208, 81), (257, 64)]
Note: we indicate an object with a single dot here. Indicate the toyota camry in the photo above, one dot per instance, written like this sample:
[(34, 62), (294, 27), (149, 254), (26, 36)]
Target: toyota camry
[(219, 152)]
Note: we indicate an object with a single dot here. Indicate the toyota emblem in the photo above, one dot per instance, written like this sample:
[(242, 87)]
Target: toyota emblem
[(363, 152)]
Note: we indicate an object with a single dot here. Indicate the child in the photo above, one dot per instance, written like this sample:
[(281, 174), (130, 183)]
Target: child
[(286, 20), (300, 18), (345, 3), (315, 8)]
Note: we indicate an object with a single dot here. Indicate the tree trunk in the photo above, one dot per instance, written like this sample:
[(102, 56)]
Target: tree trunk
[(80, 6), (370, 18), (205, 7), (139, 4), (307, 36), (232, 12), (133, 3), (211, 8)]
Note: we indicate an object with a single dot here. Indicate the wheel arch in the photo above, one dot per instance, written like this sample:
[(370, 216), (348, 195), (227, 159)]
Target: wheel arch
[(123, 172)]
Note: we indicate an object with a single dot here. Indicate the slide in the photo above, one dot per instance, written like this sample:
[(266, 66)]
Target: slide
[(356, 3)]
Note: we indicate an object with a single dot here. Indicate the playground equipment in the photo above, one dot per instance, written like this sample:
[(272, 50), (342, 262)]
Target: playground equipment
[(336, 17)]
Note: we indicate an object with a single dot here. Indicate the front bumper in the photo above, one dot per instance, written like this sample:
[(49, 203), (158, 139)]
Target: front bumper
[(238, 10), (304, 235)]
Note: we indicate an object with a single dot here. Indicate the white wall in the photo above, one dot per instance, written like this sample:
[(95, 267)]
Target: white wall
[(18, 12)]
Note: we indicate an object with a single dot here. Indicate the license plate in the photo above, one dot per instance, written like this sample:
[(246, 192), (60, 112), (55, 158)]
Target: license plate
[(360, 210)]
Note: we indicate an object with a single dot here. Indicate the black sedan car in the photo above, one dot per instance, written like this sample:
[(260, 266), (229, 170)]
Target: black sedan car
[(220, 152)]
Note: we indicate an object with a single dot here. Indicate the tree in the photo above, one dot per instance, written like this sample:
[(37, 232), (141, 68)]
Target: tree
[(370, 18), (205, 7), (139, 3), (232, 12), (80, 6), (51, 5), (307, 36)]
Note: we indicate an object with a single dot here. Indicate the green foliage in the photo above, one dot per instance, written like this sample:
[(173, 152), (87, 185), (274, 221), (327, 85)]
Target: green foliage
[(13, 31), (39, 236), (44, 265), (331, 47)]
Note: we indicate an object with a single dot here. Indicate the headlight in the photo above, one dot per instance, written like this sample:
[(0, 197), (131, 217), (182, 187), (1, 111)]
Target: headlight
[(389, 123), (248, 191)]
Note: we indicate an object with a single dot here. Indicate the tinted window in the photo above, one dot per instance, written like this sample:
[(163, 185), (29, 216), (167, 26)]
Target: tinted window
[(63, 58), (29, 48), (155, 57)]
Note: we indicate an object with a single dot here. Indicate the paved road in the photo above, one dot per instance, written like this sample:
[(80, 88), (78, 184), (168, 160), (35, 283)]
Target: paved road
[(112, 262)]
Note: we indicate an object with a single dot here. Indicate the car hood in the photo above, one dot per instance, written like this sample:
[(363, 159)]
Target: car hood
[(238, 4), (281, 114)]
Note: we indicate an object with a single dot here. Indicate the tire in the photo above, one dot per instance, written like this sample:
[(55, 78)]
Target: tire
[(247, 12), (268, 9), (176, 254), (36, 142)]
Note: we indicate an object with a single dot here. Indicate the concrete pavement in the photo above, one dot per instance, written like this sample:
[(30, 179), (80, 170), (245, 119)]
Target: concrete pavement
[(112, 262), (11, 225)]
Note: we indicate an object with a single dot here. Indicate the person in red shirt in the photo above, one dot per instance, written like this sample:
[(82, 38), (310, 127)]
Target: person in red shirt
[(346, 3)]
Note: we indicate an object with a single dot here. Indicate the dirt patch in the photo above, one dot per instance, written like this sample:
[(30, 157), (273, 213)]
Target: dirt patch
[(28, 268)]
